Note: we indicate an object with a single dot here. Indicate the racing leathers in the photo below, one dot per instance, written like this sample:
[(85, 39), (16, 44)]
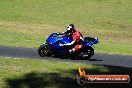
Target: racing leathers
[(77, 41)]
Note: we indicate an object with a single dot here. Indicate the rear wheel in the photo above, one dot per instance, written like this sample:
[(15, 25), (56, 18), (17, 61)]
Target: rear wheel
[(44, 50), (87, 53), (90, 52)]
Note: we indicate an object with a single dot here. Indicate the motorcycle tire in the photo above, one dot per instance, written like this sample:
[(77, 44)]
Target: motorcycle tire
[(90, 52), (44, 50)]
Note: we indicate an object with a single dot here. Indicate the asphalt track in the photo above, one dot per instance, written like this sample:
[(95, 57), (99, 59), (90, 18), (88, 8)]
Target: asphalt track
[(98, 58)]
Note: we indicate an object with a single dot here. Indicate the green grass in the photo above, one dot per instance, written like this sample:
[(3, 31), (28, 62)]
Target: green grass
[(13, 68), (36, 73), (28, 22)]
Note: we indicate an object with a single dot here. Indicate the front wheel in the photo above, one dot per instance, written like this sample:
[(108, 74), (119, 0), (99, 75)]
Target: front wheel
[(44, 50)]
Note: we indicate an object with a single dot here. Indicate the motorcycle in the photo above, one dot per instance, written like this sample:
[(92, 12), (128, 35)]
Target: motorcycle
[(52, 46)]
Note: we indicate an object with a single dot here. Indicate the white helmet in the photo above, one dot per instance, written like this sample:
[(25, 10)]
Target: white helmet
[(70, 27)]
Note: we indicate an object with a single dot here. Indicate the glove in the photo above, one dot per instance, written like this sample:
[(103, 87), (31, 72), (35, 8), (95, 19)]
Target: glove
[(61, 44)]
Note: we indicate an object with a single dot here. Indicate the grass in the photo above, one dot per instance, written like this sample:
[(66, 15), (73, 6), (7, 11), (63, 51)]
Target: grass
[(28, 23), (14, 68), (36, 73)]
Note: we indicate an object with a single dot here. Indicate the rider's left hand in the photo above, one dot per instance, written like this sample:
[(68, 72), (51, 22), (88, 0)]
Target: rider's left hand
[(61, 44)]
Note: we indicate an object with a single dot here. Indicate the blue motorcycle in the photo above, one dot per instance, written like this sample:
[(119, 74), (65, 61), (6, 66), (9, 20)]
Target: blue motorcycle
[(52, 46)]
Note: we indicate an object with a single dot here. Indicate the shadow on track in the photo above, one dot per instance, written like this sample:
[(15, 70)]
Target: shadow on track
[(45, 80), (94, 60)]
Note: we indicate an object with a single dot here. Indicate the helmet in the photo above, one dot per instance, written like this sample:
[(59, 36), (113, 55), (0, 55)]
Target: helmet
[(70, 27)]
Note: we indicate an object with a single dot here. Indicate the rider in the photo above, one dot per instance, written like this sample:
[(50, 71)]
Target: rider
[(77, 38)]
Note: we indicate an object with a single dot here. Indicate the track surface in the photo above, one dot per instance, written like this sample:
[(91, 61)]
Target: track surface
[(98, 58)]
